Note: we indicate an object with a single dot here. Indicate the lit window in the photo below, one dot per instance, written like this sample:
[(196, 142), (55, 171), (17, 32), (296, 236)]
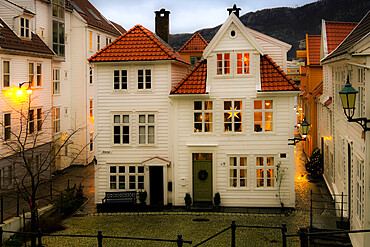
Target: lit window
[(144, 79), (90, 41), (233, 116), (203, 116), (242, 63), (120, 79), (25, 27), (56, 81), (263, 115), (238, 172), (265, 168), (91, 109), (121, 129), (56, 120), (7, 126), (223, 64), (146, 128), (6, 74)]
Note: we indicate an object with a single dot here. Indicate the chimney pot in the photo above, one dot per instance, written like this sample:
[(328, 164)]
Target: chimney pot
[(162, 24)]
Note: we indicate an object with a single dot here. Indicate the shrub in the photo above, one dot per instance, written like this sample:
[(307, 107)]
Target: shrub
[(314, 164), (217, 199)]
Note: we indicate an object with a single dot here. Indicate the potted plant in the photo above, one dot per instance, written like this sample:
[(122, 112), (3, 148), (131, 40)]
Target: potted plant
[(217, 200), (188, 200), (142, 197)]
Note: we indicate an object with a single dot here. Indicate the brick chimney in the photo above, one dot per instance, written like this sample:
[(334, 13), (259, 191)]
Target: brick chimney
[(234, 10), (162, 24)]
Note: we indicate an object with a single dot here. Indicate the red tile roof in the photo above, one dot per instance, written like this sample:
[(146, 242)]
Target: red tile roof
[(272, 78), (313, 49), (9, 40), (336, 32), (92, 16), (194, 82), (195, 44), (137, 44), (317, 92)]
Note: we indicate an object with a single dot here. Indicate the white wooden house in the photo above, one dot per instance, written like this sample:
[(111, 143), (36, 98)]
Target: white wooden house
[(349, 171), (74, 30), (224, 127), (134, 75), (23, 59), (232, 117)]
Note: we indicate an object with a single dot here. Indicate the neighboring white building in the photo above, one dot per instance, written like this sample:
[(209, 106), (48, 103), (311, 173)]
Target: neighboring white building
[(23, 59), (347, 165), (74, 30), (233, 116), (223, 128)]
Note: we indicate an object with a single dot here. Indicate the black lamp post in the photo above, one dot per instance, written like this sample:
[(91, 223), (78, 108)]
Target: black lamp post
[(29, 89), (305, 128), (348, 97)]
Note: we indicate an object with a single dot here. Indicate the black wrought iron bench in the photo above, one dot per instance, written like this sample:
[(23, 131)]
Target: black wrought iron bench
[(120, 197)]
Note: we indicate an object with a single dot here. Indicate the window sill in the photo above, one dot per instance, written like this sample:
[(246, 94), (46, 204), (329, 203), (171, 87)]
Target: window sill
[(238, 189), (147, 146), (121, 146), (144, 91), (233, 133), (119, 91), (57, 94), (272, 133)]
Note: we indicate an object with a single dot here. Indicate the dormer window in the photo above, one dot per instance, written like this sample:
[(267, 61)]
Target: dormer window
[(25, 27), (242, 63)]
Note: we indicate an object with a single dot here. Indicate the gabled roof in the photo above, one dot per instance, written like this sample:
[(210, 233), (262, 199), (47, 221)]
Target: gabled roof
[(336, 32), (317, 92), (273, 78), (137, 44), (194, 82), (92, 16), (195, 44), (359, 32), (313, 44), (9, 40), (26, 11), (220, 33)]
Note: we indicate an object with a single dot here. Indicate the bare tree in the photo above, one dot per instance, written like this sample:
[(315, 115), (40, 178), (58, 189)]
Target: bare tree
[(32, 149)]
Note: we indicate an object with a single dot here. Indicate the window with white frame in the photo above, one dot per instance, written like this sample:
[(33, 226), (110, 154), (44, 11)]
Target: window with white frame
[(233, 116), (265, 172), (58, 26), (6, 74), (39, 119), (120, 79), (223, 64), (56, 120), (263, 115), (56, 81), (238, 172), (359, 180), (144, 79), (203, 116), (126, 177), (146, 128), (35, 74), (361, 92), (25, 27), (91, 108), (91, 144), (108, 41), (121, 129), (7, 118), (242, 63), (98, 42), (31, 121)]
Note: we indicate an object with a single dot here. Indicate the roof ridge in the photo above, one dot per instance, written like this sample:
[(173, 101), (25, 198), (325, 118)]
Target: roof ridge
[(177, 87), (160, 44), (342, 22), (290, 81)]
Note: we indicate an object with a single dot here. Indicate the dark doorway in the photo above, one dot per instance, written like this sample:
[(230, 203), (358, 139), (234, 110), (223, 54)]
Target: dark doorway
[(156, 185)]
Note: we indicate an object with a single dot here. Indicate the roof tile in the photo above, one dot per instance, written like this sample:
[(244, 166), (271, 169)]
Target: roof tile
[(313, 49), (195, 44), (336, 32), (138, 44)]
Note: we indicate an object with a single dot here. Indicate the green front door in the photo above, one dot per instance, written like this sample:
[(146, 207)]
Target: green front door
[(202, 180)]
